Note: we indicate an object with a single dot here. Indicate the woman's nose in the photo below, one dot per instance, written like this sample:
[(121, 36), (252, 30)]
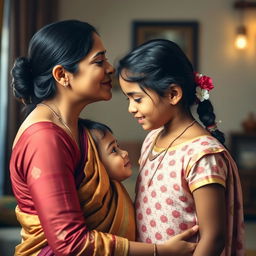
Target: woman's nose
[(110, 69)]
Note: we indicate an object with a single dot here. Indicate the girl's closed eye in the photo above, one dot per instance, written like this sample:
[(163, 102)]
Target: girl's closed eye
[(138, 100)]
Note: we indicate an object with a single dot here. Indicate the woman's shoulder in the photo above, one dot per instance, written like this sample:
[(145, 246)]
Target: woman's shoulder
[(40, 132)]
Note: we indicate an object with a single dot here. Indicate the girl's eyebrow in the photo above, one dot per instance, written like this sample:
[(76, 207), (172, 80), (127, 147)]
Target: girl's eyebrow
[(132, 93), (111, 143)]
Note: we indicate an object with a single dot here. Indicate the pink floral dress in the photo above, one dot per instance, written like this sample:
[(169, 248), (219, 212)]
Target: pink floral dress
[(166, 207)]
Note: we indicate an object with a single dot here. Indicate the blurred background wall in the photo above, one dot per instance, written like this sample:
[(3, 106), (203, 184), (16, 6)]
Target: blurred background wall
[(233, 71)]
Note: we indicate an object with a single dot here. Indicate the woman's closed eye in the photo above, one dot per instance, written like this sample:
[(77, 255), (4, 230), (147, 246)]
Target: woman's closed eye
[(100, 62)]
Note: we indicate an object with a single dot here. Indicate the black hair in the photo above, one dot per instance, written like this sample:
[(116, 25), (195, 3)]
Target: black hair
[(159, 63), (63, 43), (93, 125)]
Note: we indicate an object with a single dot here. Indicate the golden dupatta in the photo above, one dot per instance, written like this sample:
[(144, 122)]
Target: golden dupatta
[(107, 208)]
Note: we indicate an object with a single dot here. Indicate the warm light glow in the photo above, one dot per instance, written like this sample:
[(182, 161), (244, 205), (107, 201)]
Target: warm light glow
[(241, 41), (241, 38)]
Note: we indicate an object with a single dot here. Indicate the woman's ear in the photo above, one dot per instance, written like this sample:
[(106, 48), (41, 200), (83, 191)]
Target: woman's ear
[(60, 75), (175, 94)]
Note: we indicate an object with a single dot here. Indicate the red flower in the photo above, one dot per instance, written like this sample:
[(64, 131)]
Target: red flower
[(204, 82)]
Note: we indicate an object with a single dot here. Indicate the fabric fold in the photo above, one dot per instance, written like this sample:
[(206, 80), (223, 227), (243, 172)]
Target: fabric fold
[(106, 206)]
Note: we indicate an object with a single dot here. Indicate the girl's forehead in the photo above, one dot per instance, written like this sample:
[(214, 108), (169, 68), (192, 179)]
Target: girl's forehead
[(129, 86), (133, 88)]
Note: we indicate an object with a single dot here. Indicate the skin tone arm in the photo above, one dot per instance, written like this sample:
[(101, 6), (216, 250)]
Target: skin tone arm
[(176, 246), (210, 208)]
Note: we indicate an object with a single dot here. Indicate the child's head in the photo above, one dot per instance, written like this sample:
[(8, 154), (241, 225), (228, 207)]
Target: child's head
[(115, 160), (156, 65), (160, 67)]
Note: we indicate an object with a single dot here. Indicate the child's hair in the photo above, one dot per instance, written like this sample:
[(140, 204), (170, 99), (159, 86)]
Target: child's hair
[(93, 125), (63, 43), (159, 63)]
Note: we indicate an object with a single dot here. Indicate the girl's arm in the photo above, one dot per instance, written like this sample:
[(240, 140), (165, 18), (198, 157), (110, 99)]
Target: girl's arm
[(210, 208)]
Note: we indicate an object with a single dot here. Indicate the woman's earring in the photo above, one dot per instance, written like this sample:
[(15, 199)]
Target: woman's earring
[(65, 83), (23, 101)]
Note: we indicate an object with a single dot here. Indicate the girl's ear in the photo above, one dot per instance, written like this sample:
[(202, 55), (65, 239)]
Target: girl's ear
[(175, 94), (60, 75)]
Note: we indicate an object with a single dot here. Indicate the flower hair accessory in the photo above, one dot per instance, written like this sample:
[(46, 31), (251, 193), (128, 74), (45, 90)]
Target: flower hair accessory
[(204, 85), (212, 128)]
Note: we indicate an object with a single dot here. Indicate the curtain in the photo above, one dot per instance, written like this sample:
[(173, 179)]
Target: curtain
[(27, 16)]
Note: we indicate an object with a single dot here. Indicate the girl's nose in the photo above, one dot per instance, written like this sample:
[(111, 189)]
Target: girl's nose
[(131, 108), (124, 153)]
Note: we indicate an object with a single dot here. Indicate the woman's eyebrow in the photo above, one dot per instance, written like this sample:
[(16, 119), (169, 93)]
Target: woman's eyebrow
[(99, 53)]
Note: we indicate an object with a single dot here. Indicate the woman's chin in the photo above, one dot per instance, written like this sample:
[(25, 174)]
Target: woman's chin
[(108, 97)]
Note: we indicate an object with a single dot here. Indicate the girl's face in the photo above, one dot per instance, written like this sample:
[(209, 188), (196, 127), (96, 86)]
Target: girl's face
[(115, 160), (150, 110), (93, 80)]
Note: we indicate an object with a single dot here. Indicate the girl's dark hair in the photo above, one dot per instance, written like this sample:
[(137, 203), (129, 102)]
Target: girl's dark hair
[(159, 63), (63, 43), (93, 125)]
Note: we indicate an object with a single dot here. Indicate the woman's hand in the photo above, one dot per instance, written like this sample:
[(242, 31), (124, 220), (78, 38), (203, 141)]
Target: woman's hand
[(178, 245)]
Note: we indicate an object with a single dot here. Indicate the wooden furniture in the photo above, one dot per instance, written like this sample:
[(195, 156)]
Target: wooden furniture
[(243, 150)]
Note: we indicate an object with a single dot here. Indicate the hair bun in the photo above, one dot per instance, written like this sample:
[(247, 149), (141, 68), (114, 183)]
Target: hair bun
[(22, 81)]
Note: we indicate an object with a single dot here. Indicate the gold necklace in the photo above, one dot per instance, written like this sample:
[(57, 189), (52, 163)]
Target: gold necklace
[(163, 151), (58, 116)]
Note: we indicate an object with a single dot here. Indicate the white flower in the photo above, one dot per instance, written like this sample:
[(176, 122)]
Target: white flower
[(202, 94)]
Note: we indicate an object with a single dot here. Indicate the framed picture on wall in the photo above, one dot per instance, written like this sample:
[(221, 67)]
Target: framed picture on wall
[(185, 34)]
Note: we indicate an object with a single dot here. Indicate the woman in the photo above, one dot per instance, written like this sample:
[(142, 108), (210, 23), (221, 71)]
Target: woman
[(66, 203)]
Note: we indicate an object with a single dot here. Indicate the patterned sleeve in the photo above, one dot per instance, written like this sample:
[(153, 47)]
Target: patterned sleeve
[(209, 169)]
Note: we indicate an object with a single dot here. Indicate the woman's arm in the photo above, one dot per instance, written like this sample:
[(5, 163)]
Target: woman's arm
[(210, 208), (176, 246)]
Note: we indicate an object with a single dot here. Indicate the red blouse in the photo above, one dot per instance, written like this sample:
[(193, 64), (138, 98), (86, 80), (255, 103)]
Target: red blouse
[(46, 168)]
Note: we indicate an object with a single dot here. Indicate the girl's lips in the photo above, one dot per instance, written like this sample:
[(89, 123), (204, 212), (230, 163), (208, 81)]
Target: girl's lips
[(140, 120), (128, 164)]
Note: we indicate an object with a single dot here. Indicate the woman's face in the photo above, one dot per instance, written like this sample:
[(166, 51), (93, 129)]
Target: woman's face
[(93, 81)]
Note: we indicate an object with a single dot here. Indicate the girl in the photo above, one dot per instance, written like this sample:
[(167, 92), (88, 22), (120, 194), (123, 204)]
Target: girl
[(66, 203), (115, 160), (186, 174)]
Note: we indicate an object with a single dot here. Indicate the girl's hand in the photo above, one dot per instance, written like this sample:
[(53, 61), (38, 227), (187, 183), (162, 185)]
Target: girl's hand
[(178, 245)]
